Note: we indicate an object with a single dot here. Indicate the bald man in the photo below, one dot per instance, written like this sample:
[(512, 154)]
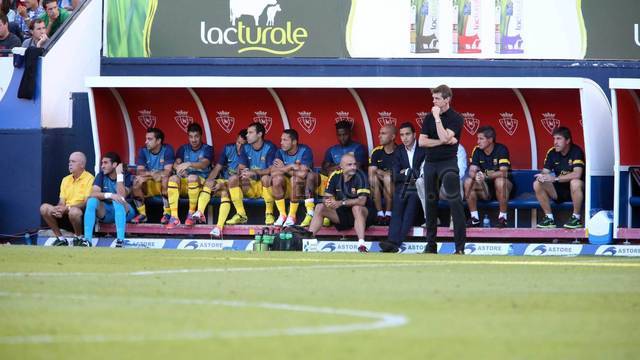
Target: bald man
[(74, 191), (380, 168), (346, 201)]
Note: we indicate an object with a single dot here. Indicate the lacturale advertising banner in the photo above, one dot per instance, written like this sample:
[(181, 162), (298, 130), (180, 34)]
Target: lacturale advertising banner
[(524, 29)]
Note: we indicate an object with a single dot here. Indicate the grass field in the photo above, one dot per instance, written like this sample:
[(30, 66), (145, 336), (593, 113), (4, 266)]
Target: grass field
[(163, 304)]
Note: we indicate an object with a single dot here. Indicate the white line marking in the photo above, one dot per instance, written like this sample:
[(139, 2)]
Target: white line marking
[(346, 264), (380, 321)]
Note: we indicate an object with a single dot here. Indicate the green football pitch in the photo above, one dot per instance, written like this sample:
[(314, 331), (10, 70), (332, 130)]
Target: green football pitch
[(162, 304)]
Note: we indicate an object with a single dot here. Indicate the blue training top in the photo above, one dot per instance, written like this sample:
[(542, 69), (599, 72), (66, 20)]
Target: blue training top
[(229, 159), (258, 159), (304, 155), (334, 154), (155, 162), (187, 154)]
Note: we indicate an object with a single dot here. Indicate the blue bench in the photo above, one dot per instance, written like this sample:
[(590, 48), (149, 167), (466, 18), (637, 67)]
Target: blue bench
[(523, 197)]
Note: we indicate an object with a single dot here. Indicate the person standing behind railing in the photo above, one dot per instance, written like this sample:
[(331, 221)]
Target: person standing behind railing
[(54, 16), (7, 40)]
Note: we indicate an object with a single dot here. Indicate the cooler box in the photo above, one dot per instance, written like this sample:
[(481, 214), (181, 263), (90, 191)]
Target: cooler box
[(601, 228)]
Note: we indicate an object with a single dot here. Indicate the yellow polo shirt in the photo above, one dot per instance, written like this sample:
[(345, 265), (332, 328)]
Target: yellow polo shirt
[(76, 191)]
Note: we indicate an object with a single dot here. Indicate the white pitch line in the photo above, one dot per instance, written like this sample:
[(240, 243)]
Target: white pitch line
[(373, 263), (380, 321)]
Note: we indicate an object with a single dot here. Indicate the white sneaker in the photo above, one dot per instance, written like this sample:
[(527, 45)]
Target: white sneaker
[(290, 221), (280, 221), (216, 232)]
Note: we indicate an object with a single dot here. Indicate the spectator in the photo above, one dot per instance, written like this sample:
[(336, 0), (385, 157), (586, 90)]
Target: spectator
[(54, 17), (7, 40), (69, 5), (5, 8), (39, 38), (74, 191), (28, 14)]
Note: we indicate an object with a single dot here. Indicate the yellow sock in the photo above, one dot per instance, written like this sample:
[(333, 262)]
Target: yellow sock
[(142, 209), (204, 198), (282, 206), (174, 195), (293, 208), (225, 208), (309, 205), (236, 199), (268, 201), (193, 191)]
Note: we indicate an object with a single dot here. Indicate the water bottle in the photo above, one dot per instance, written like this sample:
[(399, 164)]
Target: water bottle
[(27, 238), (486, 223)]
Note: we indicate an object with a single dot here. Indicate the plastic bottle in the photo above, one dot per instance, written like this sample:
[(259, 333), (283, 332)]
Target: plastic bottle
[(27, 238), (486, 223)]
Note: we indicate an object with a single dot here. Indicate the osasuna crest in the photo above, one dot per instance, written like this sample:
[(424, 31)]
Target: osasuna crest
[(225, 121), (550, 122), (183, 119), (420, 118), (471, 124), (508, 123), (146, 119), (344, 116), (307, 122), (262, 118), (386, 119)]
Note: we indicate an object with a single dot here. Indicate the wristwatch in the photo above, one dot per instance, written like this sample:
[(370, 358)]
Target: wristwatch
[(344, 202)]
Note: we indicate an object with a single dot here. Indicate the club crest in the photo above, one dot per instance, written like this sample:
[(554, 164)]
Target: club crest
[(471, 123), (508, 123), (307, 122), (146, 119), (550, 122), (225, 121), (183, 119)]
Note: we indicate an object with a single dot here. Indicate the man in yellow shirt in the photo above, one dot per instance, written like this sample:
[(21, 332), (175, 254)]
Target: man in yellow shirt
[(74, 191)]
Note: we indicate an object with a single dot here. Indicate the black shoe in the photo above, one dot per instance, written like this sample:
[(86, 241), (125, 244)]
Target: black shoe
[(119, 243), (502, 223), (77, 241), (458, 252), (431, 248), (473, 222), (60, 242), (388, 247)]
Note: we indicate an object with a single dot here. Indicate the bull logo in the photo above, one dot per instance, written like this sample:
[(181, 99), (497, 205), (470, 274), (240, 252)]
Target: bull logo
[(253, 8), (508, 123), (307, 122), (225, 121), (550, 122), (344, 116), (262, 118), (183, 119), (386, 119), (471, 123), (146, 119)]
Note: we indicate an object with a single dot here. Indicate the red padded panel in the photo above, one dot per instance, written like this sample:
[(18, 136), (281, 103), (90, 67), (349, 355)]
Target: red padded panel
[(552, 108), (313, 113), (501, 109), (628, 126), (171, 110), (112, 131), (395, 106), (231, 110)]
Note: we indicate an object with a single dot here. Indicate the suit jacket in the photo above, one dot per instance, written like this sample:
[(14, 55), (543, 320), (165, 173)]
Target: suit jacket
[(401, 162)]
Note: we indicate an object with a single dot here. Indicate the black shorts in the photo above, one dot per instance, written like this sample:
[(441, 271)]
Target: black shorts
[(491, 186), (563, 190), (345, 214)]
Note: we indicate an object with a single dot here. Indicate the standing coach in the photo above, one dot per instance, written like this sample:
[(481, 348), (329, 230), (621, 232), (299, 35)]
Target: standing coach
[(441, 130)]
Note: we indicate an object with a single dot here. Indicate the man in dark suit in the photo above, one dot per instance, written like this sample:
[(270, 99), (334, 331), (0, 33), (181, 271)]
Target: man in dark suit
[(407, 159)]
